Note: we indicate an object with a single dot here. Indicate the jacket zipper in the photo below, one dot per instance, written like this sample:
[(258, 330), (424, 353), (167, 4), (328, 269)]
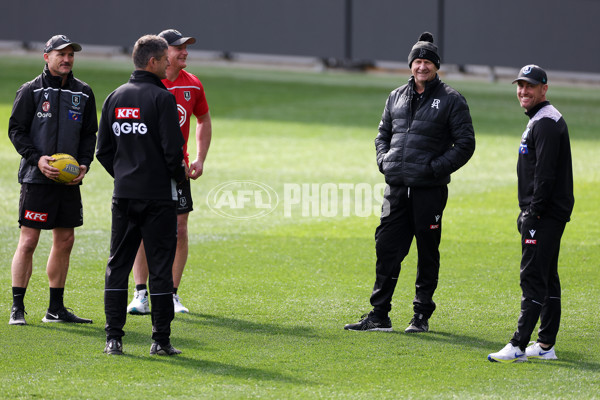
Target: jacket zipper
[(58, 120)]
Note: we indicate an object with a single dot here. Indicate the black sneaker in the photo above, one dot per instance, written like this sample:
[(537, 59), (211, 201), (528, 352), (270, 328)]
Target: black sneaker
[(114, 346), (418, 324), (65, 315), (370, 322), (17, 316), (166, 350)]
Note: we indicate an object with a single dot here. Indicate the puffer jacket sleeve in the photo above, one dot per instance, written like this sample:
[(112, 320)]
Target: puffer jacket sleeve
[(463, 140), (384, 137)]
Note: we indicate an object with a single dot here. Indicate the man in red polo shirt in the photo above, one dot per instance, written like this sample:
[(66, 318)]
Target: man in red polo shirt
[(190, 97)]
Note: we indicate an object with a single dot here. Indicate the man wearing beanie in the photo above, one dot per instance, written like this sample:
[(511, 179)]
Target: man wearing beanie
[(545, 192), (425, 134)]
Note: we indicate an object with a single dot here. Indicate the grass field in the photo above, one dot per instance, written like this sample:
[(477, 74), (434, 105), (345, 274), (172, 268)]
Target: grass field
[(269, 296)]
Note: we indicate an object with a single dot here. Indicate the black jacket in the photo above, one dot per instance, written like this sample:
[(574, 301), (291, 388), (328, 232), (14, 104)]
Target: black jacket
[(139, 141), (424, 138), (48, 118), (544, 168)]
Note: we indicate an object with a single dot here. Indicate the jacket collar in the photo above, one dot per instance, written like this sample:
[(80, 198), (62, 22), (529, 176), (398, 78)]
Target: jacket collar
[(56, 81), (429, 86), (537, 108), (140, 75)]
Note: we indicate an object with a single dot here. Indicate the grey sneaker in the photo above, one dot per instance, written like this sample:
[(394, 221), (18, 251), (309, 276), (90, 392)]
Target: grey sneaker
[(418, 324), (163, 350), (114, 347), (64, 315), (17, 316), (370, 322)]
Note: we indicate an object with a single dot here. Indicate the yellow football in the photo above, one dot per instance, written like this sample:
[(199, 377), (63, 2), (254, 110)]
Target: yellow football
[(68, 166)]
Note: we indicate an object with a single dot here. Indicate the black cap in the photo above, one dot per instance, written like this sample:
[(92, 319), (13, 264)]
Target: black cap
[(175, 38), (533, 74), (425, 48), (58, 42)]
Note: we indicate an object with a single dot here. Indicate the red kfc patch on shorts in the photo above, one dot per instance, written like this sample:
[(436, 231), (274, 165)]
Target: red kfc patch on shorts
[(36, 216)]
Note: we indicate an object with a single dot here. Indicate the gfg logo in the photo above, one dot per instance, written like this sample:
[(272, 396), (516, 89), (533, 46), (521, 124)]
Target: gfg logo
[(127, 127), (242, 199)]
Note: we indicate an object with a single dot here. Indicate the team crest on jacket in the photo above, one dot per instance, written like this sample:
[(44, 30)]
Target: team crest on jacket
[(187, 95), (76, 100), (435, 104), (523, 147)]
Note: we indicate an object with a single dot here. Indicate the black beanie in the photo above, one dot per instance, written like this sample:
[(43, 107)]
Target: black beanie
[(424, 48)]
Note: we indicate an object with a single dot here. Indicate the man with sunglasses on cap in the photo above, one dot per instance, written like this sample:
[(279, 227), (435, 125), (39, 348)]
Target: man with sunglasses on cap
[(191, 100), (425, 135), (545, 192), (53, 113)]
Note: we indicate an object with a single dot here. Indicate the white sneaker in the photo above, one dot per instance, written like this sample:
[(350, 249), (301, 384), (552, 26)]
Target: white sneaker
[(179, 308), (139, 305), (536, 351), (508, 354)]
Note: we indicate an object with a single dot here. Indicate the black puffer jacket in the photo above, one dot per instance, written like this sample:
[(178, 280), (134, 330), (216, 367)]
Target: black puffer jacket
[(424, 138)]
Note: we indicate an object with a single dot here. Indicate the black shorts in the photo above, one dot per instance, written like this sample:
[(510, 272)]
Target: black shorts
[(185, 204), (50, 206)]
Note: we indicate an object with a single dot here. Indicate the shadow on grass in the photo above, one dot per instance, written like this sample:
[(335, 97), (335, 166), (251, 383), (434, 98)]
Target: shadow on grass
[(566, 359), (223, 369), (453, 338), (89, 330), (134, 338), (241, 325)]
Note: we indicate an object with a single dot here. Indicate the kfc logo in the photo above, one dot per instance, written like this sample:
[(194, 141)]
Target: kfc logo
[(35, 216), (530, 241), (127, 113)]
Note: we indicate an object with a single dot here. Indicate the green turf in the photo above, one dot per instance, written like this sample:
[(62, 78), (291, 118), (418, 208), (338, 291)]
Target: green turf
[(269, 296)]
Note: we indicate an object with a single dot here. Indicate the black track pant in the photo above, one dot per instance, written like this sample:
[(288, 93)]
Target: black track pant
[(540, 284), (407, 213), (155, 221)]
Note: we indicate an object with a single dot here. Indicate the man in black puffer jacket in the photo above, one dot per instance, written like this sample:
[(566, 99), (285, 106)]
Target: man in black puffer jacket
[(425, 134)]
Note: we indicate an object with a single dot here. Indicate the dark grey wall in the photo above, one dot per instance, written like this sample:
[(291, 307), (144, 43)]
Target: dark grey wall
[(557, 34)]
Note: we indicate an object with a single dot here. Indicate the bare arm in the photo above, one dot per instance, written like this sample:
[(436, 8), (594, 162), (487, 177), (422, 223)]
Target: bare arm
[(203, 138)]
